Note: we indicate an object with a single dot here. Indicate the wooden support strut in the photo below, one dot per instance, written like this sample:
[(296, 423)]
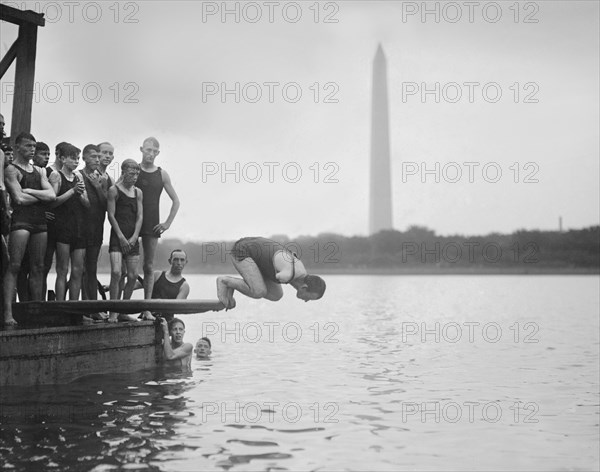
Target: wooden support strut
[(8, 59), (24, 50)]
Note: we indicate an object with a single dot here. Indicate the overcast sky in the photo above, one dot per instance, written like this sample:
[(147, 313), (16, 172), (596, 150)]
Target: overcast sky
[(165, 65)]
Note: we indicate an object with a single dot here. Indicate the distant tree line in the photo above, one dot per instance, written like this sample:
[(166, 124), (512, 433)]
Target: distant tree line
[(416, 250)]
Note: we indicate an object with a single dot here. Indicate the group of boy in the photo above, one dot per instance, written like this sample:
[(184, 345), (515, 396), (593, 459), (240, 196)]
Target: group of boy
[(57, 209)]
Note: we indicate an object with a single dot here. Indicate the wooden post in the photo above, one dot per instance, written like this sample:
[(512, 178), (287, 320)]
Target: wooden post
[(23, 50), (24, 80)]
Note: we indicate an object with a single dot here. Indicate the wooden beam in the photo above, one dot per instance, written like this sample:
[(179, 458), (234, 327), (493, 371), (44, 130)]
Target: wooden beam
[(24, 80), (80, 307), (8, 58), (20, 17)]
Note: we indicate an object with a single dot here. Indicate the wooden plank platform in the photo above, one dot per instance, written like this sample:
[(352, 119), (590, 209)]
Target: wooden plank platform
[(70, 312)]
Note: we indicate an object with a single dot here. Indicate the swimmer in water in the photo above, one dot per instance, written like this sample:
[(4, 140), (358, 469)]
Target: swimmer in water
[(175, 351), (203, 348)]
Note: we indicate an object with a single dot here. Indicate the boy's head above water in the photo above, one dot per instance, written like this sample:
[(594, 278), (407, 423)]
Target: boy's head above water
[(203, 348)]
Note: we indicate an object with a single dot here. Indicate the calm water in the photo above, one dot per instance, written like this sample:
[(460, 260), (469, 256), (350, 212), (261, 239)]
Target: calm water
[(385, 373)]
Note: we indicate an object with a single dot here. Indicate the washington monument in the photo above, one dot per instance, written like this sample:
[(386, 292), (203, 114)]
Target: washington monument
[(380, 209)]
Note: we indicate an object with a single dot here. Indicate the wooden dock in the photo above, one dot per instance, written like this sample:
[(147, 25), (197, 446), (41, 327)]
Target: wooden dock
[(39, 352), (56, 355)]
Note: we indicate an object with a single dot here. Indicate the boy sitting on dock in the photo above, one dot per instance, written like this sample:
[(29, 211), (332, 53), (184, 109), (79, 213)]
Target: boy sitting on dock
[(125, 217), (169, 285)]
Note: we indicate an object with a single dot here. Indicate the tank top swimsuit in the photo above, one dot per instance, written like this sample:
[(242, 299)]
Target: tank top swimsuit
[(261, 251), (96, 214), (151, 184), (70, 216), (29, 214), (163, 289), (125, 214)]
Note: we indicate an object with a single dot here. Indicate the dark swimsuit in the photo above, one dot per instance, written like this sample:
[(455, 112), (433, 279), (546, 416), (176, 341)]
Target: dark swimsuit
[(163, 289), (151, 184), (50, 211), (125, 214), (70, 216), (261, 251), (29, 217), (95, 215)]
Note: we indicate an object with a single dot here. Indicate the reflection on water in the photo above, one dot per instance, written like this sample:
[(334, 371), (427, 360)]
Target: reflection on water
[(386, 373), (95, 421)]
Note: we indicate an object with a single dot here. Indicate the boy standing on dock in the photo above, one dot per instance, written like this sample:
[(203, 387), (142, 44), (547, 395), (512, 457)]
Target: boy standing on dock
[(70, 207), (125, 216), (54, 179), (97, 190), (151, 181), (40, 159), (29, 189)]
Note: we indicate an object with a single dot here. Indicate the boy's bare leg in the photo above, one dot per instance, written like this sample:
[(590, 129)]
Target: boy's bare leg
[(131, 264), (230, 297), (224, 293), (251, 284), (63, 253), (23, 278), (48, 258), (90, 276), (37, 252), (149, 244), (17, 244), (115, 280), (77, 258), (274, 291)]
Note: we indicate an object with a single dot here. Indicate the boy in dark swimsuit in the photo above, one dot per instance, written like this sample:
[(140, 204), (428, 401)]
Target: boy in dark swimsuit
[(97, 190), (54, 179), (264, 265), (70, 209), (40, 159), (170, 285), (125, 216), (29, 189), (151, 181)]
